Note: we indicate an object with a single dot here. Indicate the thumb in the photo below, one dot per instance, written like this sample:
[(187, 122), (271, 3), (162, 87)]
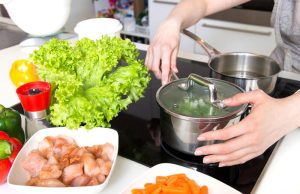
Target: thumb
[(244, 98)]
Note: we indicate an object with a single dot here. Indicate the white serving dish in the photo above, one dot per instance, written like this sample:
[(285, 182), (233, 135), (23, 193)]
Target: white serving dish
[(214, 186), (17, 176)]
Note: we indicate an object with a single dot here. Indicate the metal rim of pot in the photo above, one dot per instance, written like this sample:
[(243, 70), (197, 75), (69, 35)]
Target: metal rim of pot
[(212, 119)]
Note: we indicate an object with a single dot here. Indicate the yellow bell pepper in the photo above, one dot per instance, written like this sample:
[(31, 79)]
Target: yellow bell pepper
[(22, 71)]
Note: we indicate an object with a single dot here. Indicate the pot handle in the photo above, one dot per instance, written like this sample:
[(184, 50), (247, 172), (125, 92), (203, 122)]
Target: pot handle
[(204, 82), (194, 78), (211, 51)]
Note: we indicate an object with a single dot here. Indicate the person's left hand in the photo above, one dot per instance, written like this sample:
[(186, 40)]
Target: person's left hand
[(269, 120)]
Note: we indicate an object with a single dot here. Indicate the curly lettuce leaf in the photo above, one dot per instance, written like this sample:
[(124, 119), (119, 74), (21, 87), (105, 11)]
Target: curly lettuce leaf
[(91, 84)]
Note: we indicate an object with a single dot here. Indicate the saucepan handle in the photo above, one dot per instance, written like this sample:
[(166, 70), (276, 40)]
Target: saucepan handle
[(211, 51), (204, 82)]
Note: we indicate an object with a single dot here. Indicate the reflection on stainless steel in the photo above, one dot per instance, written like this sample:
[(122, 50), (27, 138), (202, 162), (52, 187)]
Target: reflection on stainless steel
[(34, 121), (182, 134)]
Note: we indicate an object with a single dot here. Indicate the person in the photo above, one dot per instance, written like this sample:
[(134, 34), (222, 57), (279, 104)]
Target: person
[(270, 119)]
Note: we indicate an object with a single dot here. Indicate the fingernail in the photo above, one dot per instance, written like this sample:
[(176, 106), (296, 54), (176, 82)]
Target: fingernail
[(222, 165), (201, 138), (198, 152), (206, 160)]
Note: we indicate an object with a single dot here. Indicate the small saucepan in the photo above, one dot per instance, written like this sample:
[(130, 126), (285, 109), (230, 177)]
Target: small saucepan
[(247, 70), (186, 112)]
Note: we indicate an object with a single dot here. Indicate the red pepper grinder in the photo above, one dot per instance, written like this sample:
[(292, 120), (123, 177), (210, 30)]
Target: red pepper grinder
[(35, 99)]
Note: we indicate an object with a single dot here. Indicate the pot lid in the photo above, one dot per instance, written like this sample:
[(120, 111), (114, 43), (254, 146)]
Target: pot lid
[(196, 101)]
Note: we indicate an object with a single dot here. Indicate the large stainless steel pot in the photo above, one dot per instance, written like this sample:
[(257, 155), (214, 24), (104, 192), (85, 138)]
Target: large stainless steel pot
[(247, 70), (185, 114)]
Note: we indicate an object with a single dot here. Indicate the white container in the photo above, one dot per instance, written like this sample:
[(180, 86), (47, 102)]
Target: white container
[(38, 17), (97, 27)]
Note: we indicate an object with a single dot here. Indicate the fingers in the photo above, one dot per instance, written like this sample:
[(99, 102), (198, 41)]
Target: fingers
[(224, 134), (224, 148), (173, 61), (244, 98), (162, 52), (238, 161), (232, 152), (161, 60), (155, 66), (228, 158), (149, 58), (165, 65)]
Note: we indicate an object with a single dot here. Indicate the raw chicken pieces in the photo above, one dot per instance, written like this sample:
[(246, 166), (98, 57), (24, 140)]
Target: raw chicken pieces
[(59, 162)]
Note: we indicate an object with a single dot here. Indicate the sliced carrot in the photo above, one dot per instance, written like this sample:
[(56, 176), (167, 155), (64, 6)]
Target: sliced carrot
[(171, 180), (172, 184), (137, 191), (157, 190), (193, 186), (180, 175), (150, 187), (161, 179), (204, 189), (174, 190)]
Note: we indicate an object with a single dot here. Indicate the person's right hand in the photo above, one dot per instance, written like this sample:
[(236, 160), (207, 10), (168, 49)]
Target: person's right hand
[(162, 52)]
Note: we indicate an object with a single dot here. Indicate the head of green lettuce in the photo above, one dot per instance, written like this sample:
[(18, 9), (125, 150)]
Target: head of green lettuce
[(92, 81)]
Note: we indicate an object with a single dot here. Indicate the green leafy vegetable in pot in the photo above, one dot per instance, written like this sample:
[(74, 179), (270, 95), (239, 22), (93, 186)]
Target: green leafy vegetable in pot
[(90, 86)]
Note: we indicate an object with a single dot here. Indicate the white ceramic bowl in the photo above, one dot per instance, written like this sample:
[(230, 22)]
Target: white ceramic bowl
[(17, 176), (97, 27), (39, 17)]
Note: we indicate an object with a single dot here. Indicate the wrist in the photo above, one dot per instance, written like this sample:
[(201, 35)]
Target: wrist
[(174, 23)]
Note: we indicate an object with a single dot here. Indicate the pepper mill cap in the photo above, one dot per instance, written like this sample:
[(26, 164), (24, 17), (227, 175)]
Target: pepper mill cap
[(35, 96)]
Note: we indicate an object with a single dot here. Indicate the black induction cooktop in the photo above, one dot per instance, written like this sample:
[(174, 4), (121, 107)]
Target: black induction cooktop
[(139, 133)]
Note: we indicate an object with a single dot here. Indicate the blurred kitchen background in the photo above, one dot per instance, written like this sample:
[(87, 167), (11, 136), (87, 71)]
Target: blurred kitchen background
[(243, 28)]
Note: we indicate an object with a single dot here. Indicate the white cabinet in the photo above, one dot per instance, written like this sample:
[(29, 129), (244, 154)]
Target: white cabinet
[(235, 37), (223, 35)]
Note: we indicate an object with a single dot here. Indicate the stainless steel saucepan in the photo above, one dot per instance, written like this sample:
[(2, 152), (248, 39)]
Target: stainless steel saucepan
[(188, 109), (247, 70)]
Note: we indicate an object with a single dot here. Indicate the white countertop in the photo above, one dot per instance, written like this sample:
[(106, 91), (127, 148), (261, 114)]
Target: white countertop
[(280, 175)]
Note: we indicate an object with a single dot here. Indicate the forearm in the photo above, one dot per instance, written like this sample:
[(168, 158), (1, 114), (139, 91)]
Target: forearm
[(189, 12)]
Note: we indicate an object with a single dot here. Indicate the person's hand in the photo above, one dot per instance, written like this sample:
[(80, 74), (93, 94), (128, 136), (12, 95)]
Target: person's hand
[(163, 50), (269, 120)]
